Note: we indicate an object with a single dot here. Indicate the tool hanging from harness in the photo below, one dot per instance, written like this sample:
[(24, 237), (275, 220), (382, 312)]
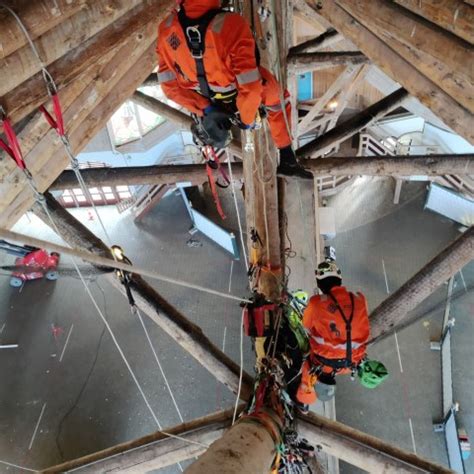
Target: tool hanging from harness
[(339, 364), (259, 317)]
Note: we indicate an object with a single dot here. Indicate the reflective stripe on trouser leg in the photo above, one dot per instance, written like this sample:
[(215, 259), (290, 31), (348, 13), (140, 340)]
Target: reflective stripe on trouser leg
[(166, 76)]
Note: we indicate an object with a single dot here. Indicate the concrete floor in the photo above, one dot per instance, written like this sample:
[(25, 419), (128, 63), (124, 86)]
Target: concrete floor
[(79, 395), (89, 399)]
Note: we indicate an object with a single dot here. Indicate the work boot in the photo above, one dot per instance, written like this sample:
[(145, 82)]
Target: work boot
[(289, 166)]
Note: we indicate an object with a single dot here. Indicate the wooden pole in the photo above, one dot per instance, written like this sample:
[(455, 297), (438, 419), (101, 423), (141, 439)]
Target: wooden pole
[(324, 40), (153, 451), (245, 448), (428, 165), (362, 450), (350, 127), (176, 325), (180, 118), (301, 62), (138, 175), (399, 69), (394, 313), (442, 57), (455, 16)]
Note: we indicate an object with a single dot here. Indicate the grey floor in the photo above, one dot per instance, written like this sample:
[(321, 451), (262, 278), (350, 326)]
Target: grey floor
[(79, 395), (376, 257)]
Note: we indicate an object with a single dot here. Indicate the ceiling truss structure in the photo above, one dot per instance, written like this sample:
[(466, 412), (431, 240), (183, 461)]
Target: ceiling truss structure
[(406, 48)]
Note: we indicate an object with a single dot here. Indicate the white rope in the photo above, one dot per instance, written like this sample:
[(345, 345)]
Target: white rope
[(64, 139), (239, 221), (137, 312), (117, 345), (241, 374), (108, 262)]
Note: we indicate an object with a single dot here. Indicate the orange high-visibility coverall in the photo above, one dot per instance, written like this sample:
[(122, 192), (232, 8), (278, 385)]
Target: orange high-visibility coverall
[(230, 64), (327, 330)]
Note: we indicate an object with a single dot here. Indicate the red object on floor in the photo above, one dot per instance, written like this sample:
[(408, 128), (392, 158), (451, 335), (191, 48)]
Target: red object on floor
[(34, 265)]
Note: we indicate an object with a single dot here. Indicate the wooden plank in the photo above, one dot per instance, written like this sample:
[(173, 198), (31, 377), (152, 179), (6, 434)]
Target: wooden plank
[(352, 126), (394, 313), (443, 105), (455, 16), (87, 115), (341, 82), (30, 94), (60, 40), (443, 58), (303, 62), (38, 17)]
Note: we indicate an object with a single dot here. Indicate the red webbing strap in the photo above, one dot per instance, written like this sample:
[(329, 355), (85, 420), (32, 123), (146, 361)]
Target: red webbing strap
[(219, 166), (56, 122), (13, 147), (215, 195)]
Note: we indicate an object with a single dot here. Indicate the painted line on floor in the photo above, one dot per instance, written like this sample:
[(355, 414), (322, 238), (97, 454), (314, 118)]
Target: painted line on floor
[(398, 352), (66, 343), (3, 327), (22, 468), (36, 427), (385, 276), (463, 280), (223, 340), (412, 435), (230, 276)]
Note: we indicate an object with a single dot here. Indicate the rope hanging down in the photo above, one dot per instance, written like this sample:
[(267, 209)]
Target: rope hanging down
[(110, 263)]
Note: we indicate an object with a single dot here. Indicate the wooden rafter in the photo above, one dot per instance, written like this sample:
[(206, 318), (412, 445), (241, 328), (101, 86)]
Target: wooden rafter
[(442, 104), (328, 38), (440, 56)]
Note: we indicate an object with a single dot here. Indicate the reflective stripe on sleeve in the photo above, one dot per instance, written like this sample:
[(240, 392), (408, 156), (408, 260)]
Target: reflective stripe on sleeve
[(320, 340), (222, 89), (166, 76), (249, 76)]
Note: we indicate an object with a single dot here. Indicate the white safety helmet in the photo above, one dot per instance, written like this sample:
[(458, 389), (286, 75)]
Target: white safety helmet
[(327, 269)]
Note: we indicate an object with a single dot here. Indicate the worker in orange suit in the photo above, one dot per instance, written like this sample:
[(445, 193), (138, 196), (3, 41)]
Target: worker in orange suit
[(338, 325), (208, 63)]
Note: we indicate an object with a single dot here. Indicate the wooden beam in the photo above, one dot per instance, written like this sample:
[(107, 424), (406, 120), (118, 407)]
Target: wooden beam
[(89, 103), (302, 62), (329, 37), (394, 313), (38, 17), (440, 56), (428, 165), (188, 335), (340, 83), (137, 175), (354, 125), (154, 451), (362, 450), (31, 93), (453, 15), (390, 61), (180, 118)]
